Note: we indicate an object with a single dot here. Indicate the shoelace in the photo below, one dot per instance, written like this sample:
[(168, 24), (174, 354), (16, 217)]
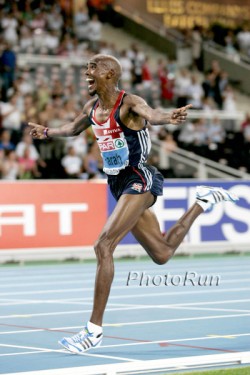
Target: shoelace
[(81, 335)]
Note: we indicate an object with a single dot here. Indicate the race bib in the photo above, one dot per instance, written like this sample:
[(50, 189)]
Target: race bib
[(115, 155)]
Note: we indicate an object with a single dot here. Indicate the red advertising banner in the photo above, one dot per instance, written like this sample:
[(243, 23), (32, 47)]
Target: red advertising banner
[(51, 213)]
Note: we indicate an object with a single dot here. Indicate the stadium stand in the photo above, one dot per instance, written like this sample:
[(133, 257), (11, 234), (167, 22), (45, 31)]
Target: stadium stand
[(42, 80)]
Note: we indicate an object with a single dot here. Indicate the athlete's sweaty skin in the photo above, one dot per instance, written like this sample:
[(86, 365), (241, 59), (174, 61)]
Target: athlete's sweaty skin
[(132, 212)]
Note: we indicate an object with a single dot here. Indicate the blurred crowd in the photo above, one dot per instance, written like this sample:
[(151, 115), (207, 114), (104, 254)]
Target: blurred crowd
[(53, 94), (236, 42)]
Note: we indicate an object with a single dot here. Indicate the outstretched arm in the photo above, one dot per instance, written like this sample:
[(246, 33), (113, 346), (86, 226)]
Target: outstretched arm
[(71, 129), (157, 116)]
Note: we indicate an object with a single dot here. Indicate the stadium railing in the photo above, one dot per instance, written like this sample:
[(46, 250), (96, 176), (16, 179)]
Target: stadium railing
[(202, 168), (238, 71)]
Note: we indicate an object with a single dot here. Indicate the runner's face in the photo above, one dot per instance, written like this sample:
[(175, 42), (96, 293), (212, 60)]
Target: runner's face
[(96, 73)]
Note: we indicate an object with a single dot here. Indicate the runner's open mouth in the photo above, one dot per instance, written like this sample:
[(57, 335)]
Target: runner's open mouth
[(90, 81)]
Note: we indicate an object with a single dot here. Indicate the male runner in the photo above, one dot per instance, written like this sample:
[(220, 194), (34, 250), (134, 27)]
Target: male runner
[(119, 121)]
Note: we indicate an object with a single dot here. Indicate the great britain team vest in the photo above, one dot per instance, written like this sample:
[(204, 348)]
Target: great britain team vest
[(119, 145)]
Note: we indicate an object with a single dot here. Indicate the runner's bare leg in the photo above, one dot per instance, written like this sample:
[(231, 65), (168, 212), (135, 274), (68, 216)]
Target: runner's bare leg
[(124, 217), (161, 248)]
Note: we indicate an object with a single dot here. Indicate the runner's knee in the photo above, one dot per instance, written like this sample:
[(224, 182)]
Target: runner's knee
[(104, 247), (164, 256)]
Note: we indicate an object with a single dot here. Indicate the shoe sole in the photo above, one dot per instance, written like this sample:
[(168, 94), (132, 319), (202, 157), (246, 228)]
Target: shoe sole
[(78, 352)]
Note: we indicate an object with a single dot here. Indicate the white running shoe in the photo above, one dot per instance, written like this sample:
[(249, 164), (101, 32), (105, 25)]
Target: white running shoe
[(207, 196), (82, 341)]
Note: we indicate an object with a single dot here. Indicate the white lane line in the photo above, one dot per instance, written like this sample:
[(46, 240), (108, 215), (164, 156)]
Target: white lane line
[(79, 301), (116, 280), (179, 340), (177, 269), (22, 353), (45, 350), (22, 331), (135, 307), (122, 309), (42, 302), (57, 313), (207, 309), (50, 291), (122, 324)]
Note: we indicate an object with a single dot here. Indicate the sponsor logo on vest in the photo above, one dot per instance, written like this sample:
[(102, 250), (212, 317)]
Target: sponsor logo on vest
[(111, 131), (119, 143), (106, 146)]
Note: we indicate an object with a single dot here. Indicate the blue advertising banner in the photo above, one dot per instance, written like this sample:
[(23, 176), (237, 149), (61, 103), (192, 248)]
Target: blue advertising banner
[(225, 222)]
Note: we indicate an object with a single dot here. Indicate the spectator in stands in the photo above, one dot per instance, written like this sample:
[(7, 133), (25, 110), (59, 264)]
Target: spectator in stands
[(246, 122), (229, 106), (29, 108), (26, 40), (55, 19), (211, 88), (5, 141), (9, 25), (28, 165), (79, 144), (182, 83), (147, 76), (230, 48), (193, 136), (147, 81), (94, 33), (92, 162), (66, 46), (196, 45), (166, 86), (208, 104), (8, 68), (199, 133), (127, 67), (27, 12), (51, 42), (186, 135), (81, 20), (72, 163), (38, 21), (215, 131), (195, 93), (11, 169), (223, 81), (246, 134), (243, 39), (43, 94), (27, 144), (137, 57), (108, 48), (11, 116), (57, 89), (169, 143), (24, 84)]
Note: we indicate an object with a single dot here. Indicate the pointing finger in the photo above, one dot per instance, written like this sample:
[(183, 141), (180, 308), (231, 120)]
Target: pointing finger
[(32, 124), (188, 106)]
